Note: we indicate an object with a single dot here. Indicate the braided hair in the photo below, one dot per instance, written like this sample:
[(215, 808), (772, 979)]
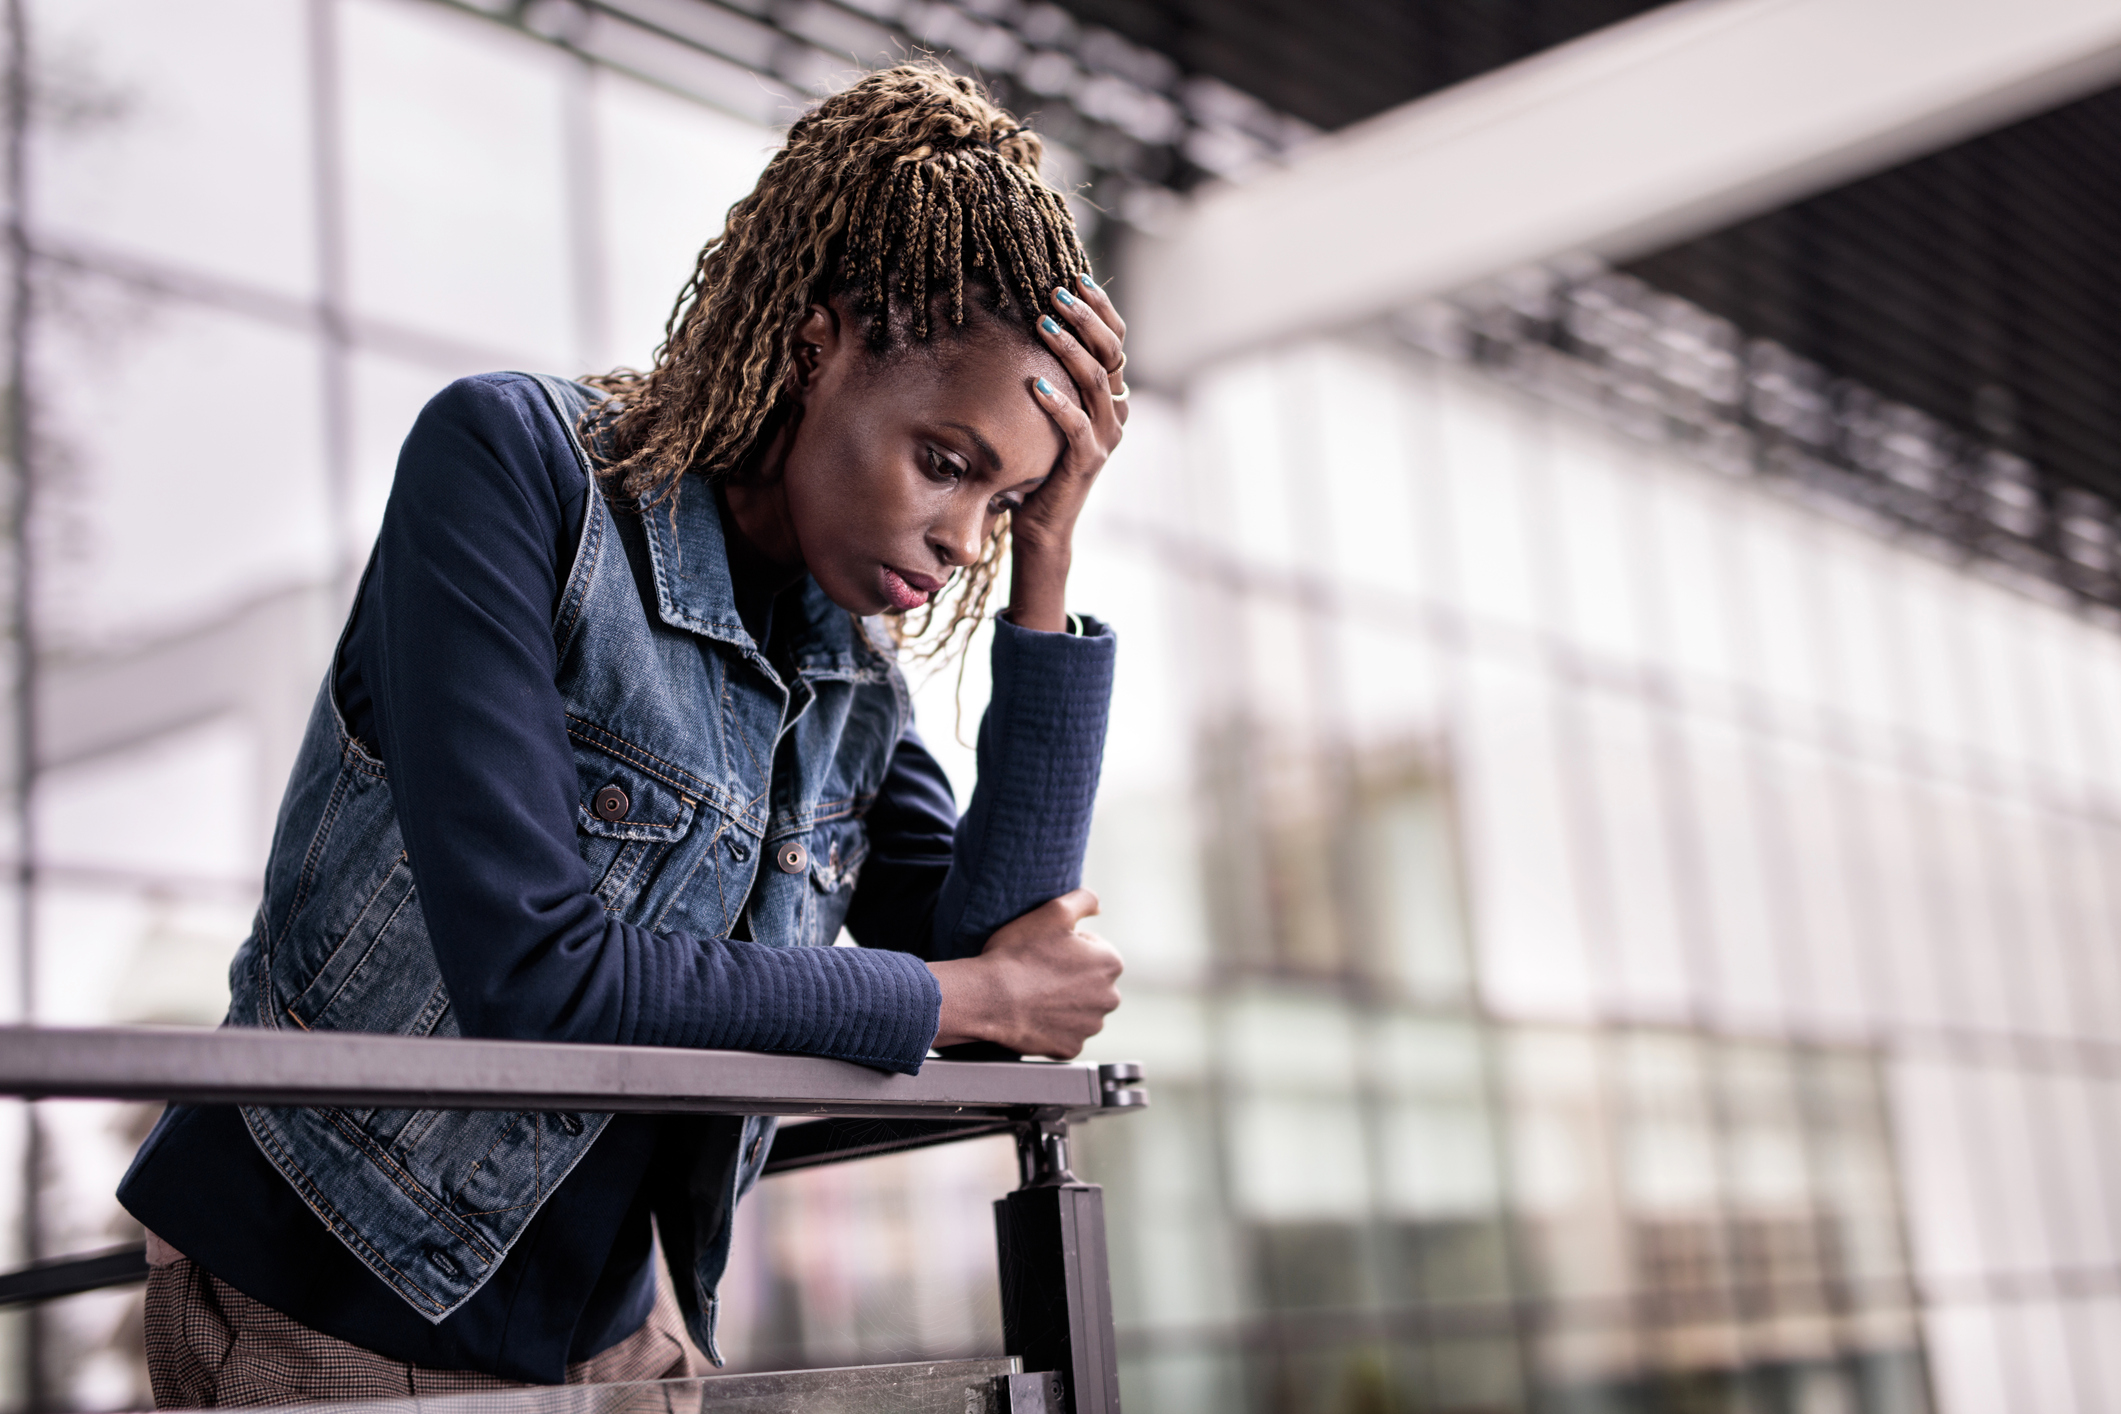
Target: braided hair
[(911, 196)]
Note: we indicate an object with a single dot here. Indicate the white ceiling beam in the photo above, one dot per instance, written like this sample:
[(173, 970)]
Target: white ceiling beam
[(1673, 124)]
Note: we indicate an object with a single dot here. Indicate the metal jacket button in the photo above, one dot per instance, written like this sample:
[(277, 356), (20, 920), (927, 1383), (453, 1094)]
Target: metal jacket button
[(611, 804), (791, 857)]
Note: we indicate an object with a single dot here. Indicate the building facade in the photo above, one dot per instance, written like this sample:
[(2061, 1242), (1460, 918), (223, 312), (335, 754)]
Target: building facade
[(1616, 917)]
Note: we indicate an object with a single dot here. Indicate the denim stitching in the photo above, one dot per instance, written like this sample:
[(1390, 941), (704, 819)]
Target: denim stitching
[(602, 738), (369, 952), (345, 1231), (307, 878), (412, 1187), (351, 929), (700, 856)]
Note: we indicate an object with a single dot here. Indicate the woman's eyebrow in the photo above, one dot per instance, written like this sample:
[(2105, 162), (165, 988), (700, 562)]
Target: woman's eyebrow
[(986, 448)]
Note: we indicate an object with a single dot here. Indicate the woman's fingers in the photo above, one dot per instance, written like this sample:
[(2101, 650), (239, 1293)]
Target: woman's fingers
[(1090, 347), (1100, 329), (1083, 367), (1101, 303), (1090, 328), (1075, 424)]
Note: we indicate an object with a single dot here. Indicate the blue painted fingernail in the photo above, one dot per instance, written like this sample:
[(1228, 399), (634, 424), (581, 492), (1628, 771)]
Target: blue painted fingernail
[(1064, 297), (1045, 387), (1045, 322), (1088, 283)]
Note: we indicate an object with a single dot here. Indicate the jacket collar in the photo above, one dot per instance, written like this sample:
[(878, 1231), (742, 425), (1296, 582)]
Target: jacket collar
[(688, 550)]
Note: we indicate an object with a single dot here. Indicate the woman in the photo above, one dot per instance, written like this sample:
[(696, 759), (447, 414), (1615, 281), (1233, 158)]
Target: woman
[(615, 743)]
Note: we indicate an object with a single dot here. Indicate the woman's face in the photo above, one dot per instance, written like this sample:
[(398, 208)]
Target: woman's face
[(897, 470)]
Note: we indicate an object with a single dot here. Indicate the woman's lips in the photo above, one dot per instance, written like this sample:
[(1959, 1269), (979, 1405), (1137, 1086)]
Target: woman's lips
[(906, 590)]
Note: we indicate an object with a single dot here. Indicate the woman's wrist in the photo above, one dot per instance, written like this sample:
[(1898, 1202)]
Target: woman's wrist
[(967, 1001), (1038, 588)]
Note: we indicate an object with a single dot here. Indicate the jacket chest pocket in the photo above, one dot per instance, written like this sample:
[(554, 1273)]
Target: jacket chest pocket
[(628, 816)]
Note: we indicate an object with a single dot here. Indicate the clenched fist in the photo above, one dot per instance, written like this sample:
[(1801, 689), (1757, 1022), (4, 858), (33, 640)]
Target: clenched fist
[(1042, 985)]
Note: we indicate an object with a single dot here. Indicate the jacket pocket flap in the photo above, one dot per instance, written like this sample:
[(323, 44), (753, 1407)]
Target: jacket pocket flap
[(618, 800)]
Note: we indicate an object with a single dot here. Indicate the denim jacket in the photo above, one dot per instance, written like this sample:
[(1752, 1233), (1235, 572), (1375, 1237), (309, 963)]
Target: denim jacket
[(670, 701)]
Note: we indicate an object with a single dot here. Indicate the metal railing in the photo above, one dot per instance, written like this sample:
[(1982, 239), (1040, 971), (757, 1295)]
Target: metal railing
[(1050, 1233)]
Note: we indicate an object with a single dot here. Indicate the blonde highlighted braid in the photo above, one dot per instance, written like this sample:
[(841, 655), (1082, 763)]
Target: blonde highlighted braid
[(905, 194)]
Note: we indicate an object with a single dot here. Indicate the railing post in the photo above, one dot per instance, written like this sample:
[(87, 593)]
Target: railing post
[(1056, 1286)]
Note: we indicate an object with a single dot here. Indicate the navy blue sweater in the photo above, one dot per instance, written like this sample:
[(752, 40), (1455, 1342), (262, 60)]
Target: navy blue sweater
[(450, 640)]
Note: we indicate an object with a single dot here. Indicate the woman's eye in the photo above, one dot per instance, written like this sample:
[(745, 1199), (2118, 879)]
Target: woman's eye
[(941, 466)]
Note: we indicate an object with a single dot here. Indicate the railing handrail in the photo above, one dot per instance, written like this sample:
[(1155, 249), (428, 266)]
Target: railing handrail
[(234, 1065)]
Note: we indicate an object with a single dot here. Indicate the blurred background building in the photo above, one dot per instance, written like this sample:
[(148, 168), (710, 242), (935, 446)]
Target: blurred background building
[(1610, 807)]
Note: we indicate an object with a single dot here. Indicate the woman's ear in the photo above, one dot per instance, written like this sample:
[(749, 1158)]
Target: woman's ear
[(817, 345)]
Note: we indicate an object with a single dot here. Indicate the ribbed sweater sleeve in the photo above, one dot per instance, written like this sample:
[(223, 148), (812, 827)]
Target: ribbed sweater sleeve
[(1041, 746), (449, 672)]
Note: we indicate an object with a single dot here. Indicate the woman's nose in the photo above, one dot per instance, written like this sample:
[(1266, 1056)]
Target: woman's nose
[(956, 538)]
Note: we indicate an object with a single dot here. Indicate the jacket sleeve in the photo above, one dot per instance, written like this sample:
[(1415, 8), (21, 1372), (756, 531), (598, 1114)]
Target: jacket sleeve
[(453, 641), (1041, 745)]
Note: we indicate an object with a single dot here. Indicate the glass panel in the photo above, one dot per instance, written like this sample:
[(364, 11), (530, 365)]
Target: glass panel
[(1930, 1134), (2094, 1321), (183, 138), (1897, 902), (1178, 1262), (1182, 1381), (1846, 600), (1690, 610), (1297, 1146), (2013, 1215), (1926, 644), (2019, 927), (1966, 949), (1518, 852), (1772, 559), (1993, 635), (1296, 1159), (1629, 780), (388, 395), (1561, 1165), (876, 1262), (1483, 503), (1743, 901), (1595, 521), (1833, 961), (456, 143), (1966, 1360), (652, 227), (1390, 684), (155, 473), (2086, 899), (1852, 1169), (1412, 880), (2038, 1370), (1363, 506)]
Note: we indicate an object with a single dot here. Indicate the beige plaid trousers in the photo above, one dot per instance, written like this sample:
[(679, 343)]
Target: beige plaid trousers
[(211, 1347)]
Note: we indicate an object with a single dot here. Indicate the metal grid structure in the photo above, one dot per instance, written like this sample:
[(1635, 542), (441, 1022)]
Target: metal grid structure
[(1132, 123), (1672, 370), (1976, 284)]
